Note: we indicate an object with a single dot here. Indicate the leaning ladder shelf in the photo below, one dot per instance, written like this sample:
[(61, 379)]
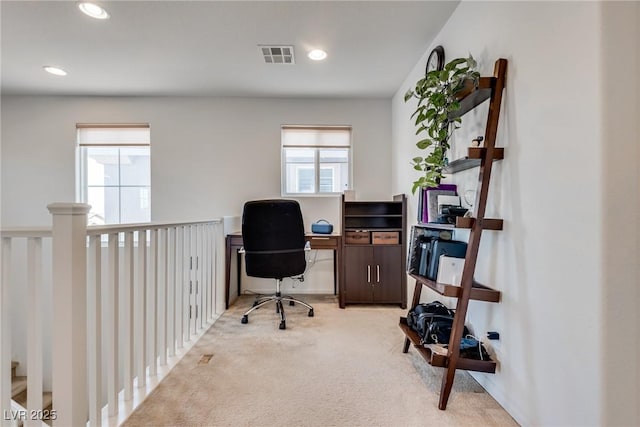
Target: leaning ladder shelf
[(488, 88)]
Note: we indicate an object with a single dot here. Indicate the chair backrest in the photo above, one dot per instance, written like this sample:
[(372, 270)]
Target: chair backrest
[(273, 238)]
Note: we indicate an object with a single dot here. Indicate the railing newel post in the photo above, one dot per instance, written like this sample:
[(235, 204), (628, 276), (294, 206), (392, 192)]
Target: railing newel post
[(69, 378)]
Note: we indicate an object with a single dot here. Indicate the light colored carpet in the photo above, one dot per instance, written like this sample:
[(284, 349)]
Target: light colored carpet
[(339, 368)]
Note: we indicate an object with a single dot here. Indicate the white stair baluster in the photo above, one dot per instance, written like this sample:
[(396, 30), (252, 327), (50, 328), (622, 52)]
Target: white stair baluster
[(212, 264), (205, 272), (162, 296), (111, 309), (219, 243), (5, 331), (180, 286), (141, 309), (127, 315), (171, 291), (202, 278), (199, 280), (94, 331), (34, 328), (186, 291), (152, 313)]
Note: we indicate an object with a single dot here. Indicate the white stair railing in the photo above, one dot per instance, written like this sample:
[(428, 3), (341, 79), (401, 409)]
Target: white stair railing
[(31, 251), (128, 302)]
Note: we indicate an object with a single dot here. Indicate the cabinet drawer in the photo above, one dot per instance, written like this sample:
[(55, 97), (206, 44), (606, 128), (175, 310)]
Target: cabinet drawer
[(385, 237), (357, 238)]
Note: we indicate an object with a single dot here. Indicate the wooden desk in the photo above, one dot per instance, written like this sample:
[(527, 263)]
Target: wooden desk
[(317, 241)]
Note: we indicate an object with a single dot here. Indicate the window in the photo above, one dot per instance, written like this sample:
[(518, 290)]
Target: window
[(316, 160), (114, 173)]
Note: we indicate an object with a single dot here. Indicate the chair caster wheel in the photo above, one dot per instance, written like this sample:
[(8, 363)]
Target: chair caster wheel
[(292, 303), (245, 319), (255, 303), (283, 325), (311, 313)]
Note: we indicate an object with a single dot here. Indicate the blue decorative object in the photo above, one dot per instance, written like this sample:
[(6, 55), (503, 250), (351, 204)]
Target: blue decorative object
[(322, 226)]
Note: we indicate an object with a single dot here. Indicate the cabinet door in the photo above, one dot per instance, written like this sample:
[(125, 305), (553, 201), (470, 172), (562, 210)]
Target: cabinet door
[(387, 274), (359, 273)]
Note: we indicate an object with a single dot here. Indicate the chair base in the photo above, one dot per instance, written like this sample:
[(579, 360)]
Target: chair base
[(277, 298)]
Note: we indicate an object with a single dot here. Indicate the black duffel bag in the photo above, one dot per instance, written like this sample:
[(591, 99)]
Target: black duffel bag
[(432, 322)]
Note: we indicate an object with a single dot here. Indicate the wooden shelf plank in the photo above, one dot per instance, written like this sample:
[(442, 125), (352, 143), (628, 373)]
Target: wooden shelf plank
[(479, 153), (492, 224), (435, 355), (470, 96), (466, 223), (487, 223), (373, 216), (437, 226), (373, 229), (478, 292), (472, 160), (459, 165)]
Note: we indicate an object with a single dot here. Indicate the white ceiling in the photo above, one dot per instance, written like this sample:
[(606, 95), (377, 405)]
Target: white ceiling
[(206, 48)]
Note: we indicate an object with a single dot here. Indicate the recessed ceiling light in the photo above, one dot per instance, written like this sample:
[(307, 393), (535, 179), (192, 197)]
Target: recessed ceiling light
[(317, 54), (55, 70), (93, 10)]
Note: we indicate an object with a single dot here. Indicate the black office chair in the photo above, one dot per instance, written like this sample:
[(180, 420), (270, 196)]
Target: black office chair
[(274, 247)]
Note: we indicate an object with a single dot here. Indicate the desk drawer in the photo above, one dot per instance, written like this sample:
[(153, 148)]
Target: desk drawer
[(321, 242)]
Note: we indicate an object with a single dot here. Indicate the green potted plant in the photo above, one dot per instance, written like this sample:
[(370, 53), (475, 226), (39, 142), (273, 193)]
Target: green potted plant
[(437, 95)]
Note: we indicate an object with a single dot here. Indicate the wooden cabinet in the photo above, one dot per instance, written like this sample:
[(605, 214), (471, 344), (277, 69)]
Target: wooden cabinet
[(374, 252), (373, 274)]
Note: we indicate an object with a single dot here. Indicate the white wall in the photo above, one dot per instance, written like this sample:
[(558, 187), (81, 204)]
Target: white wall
[(208, 155), (552, 191), (621, 223)]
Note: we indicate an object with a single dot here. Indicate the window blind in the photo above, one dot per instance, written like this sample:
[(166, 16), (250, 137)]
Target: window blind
[(316, 136), (109, 135)]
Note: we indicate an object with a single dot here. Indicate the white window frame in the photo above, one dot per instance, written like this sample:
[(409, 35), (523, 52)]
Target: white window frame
[(81, 157), (316, 162)]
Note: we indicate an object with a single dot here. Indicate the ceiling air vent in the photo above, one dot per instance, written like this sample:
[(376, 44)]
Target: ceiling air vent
[(277, 54)]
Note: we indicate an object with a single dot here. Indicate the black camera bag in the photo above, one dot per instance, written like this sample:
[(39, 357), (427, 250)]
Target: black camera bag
[(422, 315), (432, 322)]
